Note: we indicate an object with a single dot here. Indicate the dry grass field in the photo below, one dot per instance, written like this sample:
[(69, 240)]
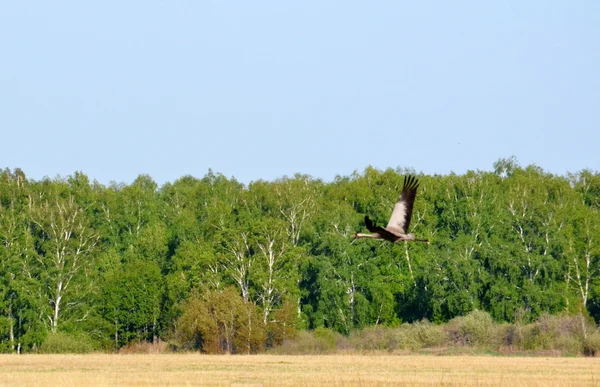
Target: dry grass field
[(275, 370)]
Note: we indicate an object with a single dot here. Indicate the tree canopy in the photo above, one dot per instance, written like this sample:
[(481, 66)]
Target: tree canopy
[(128, 262)]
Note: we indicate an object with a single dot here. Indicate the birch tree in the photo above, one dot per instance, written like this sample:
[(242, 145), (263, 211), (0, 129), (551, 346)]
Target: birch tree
[(18, 283), (276, 269), (585, 257), (297, 202), (65, 253), (536, 210), (583, 268), (237, 258)]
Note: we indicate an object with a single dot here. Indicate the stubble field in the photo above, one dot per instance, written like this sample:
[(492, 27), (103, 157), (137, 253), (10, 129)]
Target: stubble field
[(275, 370)]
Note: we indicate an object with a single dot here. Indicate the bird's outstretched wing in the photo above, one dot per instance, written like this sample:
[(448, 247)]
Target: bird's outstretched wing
[(400, 219)]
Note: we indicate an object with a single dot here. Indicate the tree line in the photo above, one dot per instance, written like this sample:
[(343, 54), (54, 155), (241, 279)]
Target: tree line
[(210, 262)]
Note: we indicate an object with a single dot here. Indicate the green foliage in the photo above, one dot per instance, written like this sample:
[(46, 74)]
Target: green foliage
[(132, 301), (376, 338), (319, 341), (325, 337), (220, 322), (61, 342), (563, 333), (123, 262), (475, 329), (284, 323), (560, 334), (422, 334), (591, 344)]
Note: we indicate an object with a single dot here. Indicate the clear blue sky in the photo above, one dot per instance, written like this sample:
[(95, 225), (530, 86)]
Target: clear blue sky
[(263, 89)]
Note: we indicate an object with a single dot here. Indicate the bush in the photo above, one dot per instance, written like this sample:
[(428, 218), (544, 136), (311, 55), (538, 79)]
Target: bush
[(319, 341), (284, 325), (304, 344), (510, 336), (326, 338), (561, 334), (67, 343), (377, 338), (145, 347), (564, 333), (220, 322), (591, 344), (407, 338), (420, 334), (568, 344), (476, 329)]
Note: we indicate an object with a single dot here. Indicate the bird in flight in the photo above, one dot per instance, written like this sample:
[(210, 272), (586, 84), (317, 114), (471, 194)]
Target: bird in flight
[(397, 227)]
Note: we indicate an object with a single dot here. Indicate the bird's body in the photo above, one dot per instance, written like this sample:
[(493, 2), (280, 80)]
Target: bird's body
[(397, 227)]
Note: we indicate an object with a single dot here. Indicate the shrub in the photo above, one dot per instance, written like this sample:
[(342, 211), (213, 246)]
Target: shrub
[(407, 338), (284, 325), (568, 344), (510, 336), (429, 335), (145, 347), (67, 343), (374, 338), (564, 333), (304, 343), (319, 341), (220, 322), (475, 329), (326, 338), (420, 334), (591, 344)]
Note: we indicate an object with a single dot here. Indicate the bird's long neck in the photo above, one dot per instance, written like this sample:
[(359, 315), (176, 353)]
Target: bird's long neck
[(361, 235), (422, 240)]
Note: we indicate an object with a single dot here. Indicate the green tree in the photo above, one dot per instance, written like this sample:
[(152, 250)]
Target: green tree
[(65, 250), (20, 328), (220, 322), (131, 301), (275, 269)]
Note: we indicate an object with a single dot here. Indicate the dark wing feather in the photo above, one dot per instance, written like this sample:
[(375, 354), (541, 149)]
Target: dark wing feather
[(385, 234), (370, 225), (400, 219)]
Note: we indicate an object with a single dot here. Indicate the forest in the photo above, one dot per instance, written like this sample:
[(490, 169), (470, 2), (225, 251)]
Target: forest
[(211, 262)]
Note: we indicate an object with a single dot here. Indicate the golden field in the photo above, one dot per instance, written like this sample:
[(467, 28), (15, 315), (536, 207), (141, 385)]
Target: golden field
[(277, 370)]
